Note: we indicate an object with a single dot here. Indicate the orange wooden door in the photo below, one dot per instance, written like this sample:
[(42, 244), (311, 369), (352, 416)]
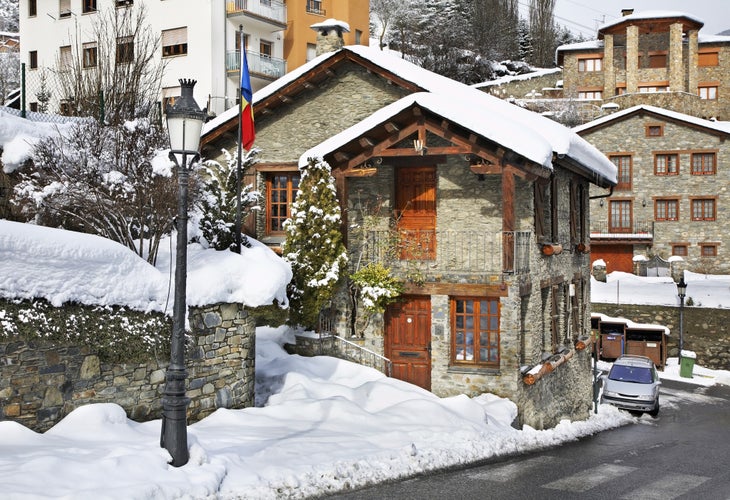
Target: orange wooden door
[(616, 257), (408, 340), (416, 212)]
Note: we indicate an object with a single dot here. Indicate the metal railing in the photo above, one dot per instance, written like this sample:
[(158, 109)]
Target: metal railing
[(315, 7), (267, 9), (258, 64), (640, 228), (472, 252), (356, 353)]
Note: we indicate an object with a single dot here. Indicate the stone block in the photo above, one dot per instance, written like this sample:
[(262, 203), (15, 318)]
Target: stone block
[(90, 367)]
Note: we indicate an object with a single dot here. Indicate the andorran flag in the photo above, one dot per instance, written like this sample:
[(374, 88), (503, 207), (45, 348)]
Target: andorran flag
[(248, 134)]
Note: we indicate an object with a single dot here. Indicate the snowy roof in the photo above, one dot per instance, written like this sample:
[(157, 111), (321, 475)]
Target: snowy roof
[(651, 14), (514, 78), (631, 324), (533, 136), (720, 126), (706, 39), (331, 23), (588, 45)]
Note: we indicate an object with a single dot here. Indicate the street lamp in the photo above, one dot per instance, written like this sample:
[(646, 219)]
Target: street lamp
[(682, 293), (184, 122)]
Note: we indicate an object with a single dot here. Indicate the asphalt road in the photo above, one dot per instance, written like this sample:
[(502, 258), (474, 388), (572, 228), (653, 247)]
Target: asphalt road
[(682, 454)]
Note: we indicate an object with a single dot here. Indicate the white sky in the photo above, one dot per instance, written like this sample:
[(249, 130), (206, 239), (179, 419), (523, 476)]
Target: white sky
[(585, 16)]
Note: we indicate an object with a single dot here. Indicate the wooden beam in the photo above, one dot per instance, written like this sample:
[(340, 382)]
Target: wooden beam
[(464, 289), (341, 156), (366, 142), (391, 127)]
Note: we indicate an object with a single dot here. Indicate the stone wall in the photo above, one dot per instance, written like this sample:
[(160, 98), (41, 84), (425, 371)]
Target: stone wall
[(706, 331), (41, 382)]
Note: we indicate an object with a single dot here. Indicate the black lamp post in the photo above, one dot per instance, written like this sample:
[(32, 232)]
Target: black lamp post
[(184, 122), (682, 293)]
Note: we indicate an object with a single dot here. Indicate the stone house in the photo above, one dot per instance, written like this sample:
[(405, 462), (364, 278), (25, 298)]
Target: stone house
[(671, 197), (478, 206), (657, 58)]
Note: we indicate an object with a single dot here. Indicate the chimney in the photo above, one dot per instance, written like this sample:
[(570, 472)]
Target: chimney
[(329, 35), (627, 12)]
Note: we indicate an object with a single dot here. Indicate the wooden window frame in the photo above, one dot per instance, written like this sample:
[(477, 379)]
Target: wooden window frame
[(590, 63), (88, 6), (656, 56), (123, 53), (680, 249), (175, 42), (476, 315), (628, 202), (666, 217), (623, 185), (708, 57), (33, 59), (708, 91), (64, 9), (703, 170), (272, 229), (89, 55), (590, 93), (667, 155), (649, 128), (266, 49), (65, 58), (32, 8), (705, 217), (712, 246)]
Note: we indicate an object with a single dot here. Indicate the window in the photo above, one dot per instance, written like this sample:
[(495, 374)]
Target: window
[(650, 88), (703, 209), (475, 331), (175, 42), (657, 59), (66, 107), (32, 8), (679, 249), (125, 50), (666, 164), (358, 37), (90, 53), (124, 3), (34, 107), (315, 7), (708, 249), (590, 94), (654, 130), (708, 58), (88, 6), (169, 94), (64, 8), (666, 209), (578, 210), (546, 220), (311, 51), (703, 164), (266, 49), (65, 58), (623, 163), (621, 89), (708, 92), (33, 59), (619, 216), (281, 190), (589, 64)]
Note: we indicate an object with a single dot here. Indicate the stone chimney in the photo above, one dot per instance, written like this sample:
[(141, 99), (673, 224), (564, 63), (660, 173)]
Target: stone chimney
[(329, 35), (627, 12)]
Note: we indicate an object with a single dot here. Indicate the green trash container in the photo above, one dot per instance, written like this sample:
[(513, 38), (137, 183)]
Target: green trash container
[(687, 364)]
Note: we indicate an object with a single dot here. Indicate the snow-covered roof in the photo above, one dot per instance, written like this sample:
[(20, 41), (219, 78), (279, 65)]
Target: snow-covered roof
[(331, 23), (526, 133), (631, 324), (651, 14), (720, 126), (706, 39), (587, 45), (538, 72)]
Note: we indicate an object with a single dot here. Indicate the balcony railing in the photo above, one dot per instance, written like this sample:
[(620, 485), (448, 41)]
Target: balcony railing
[(642, 229), (315, 7), (273, 10), (458, 252), (258, 64)]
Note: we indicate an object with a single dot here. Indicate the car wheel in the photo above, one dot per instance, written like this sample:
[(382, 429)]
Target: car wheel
[(655, 412)]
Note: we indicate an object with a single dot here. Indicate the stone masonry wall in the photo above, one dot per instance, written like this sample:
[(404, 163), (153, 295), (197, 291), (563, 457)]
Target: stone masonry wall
[(706, 331), (41, 382)]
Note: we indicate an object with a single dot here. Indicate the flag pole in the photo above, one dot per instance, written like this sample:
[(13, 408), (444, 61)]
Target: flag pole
[(240, 148)]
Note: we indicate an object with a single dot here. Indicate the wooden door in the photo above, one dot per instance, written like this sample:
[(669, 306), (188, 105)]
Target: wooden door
[(408, 340), (616, 257), (416, 212)]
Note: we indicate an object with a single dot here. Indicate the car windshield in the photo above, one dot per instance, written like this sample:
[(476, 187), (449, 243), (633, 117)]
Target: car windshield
[(640, 375)]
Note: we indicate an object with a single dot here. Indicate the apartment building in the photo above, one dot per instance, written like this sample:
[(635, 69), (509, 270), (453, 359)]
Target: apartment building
[(657, 58), (199, 40)]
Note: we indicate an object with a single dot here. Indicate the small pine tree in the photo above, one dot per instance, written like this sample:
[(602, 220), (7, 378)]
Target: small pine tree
[(217, 203), (314, 244)]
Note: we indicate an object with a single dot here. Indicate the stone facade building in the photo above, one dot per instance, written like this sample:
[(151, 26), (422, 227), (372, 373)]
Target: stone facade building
[(656, 58), (478, 206), (671, 198)]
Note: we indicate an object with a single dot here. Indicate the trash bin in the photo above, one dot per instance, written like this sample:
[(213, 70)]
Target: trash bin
[(687, 364)]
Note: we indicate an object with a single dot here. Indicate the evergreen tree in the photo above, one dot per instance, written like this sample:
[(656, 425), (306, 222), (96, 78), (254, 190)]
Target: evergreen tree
[(525, 41), (218, 204), (314, 244)]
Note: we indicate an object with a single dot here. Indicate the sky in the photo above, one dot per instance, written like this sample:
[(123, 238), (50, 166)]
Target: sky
[(320, 424), (584, 16)]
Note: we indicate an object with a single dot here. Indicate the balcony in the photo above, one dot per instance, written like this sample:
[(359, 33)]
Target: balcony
[(269, 12), (456, 254), (259, 65), (642, 230)]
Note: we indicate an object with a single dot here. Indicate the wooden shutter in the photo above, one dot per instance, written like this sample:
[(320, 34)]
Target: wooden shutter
[(175, 36)]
